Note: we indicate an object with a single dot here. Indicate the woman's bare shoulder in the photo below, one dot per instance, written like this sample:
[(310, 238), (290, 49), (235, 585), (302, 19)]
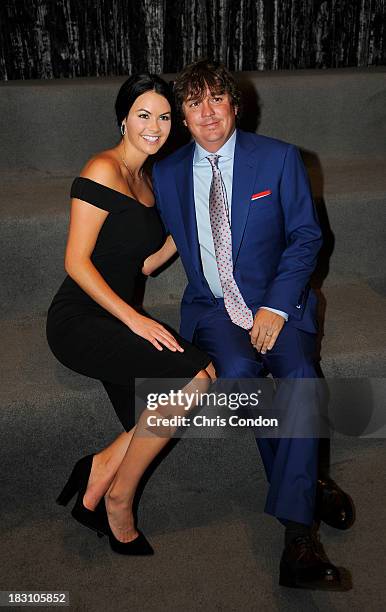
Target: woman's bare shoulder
[(103, 168)]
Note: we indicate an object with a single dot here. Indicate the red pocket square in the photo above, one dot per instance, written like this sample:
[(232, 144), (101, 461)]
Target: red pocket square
[(261, 194)]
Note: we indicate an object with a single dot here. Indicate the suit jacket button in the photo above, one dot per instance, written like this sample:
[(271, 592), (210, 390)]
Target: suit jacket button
[(298, 305)]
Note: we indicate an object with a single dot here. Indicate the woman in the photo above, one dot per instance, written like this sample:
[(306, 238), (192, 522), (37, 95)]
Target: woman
[(93, 327)]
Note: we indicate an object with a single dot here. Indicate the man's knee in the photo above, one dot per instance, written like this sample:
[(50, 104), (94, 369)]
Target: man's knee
[(230, 350), (294, 355), (238, 367)]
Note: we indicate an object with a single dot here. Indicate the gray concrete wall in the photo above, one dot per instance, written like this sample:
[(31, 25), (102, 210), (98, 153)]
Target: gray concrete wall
[(54, 126)]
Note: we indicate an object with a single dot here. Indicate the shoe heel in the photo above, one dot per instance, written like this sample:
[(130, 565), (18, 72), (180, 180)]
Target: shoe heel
[(70, 489), (90, 518), (286, 578)]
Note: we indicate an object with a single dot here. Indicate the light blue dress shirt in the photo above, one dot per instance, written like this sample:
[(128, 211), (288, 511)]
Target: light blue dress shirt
[(202, 178)]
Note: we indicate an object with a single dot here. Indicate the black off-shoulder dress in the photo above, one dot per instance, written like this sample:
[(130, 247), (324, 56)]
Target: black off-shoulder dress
[(85, 337)]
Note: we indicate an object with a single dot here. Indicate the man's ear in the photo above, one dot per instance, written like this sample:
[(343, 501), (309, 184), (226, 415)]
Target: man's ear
[(236, 110), (184, 122)]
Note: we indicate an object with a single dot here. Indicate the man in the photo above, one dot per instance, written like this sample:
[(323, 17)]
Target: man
[(239, 209)]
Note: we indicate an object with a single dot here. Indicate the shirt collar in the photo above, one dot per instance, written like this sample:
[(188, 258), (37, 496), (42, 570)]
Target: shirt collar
[(226, 151)]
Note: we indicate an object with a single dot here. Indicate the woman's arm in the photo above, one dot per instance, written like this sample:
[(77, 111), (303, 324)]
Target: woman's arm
[(86, 221), (157, 259)]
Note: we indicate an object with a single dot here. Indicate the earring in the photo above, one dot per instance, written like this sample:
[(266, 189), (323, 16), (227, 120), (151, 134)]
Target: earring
[(123, 129)]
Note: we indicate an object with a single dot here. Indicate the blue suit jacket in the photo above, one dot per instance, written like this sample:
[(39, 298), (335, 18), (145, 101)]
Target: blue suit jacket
[(275, 238)]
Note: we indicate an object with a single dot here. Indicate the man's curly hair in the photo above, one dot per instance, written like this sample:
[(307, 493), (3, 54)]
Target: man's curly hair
[(193, 81)]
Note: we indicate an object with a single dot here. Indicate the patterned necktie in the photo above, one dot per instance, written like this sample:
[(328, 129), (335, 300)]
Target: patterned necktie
[(237, 309)]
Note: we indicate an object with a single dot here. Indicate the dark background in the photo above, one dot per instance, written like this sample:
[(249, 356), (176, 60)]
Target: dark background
[(70, 38)]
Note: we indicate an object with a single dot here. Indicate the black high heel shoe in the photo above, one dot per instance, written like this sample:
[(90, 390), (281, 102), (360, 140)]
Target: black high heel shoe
[(140, 546), (77, 483)]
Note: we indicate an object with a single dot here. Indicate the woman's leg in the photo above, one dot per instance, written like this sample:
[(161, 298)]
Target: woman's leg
[(143, 448), (106, 463), (104, 467)]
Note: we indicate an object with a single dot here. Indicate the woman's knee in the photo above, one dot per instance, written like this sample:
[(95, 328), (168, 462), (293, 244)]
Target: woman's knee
[(208, 373), (211, 371)]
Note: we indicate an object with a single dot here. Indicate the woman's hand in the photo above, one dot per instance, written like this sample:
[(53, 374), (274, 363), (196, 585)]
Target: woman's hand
[(157, 259), (148, 265), (154, 332)]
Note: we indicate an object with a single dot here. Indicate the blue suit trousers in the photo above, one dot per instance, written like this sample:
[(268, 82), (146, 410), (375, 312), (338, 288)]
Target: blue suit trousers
[(291, 464)]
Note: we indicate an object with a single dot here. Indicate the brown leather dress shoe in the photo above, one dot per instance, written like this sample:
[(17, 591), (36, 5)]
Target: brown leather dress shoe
[(333, 505), (302, 567)]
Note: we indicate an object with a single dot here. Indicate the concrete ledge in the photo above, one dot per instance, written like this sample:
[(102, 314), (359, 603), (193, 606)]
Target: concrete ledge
[(55, 126), (353, 345), (34, 217)]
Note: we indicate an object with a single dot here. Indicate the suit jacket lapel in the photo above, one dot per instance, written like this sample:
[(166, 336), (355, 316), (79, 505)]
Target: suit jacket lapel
[(245, 168), (185, 188), (244, 176)]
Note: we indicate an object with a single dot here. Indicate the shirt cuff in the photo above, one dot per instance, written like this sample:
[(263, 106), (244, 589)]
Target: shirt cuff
[(279, 312)]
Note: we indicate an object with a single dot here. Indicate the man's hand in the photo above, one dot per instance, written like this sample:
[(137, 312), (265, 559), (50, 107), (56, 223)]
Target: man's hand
[(266, 328)]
